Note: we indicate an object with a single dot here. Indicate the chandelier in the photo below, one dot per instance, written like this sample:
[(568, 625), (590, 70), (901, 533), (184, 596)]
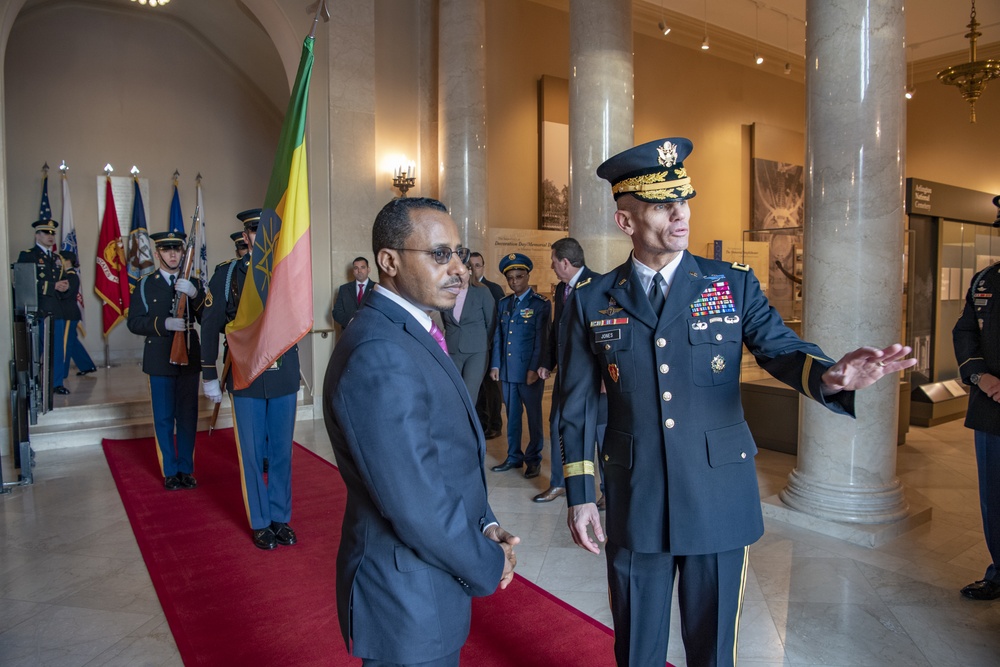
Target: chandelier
[(152, 3), (971, 77)]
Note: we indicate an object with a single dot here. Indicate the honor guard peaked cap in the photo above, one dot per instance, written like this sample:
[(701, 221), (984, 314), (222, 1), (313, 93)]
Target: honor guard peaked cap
[(250, 219), (515, 260), (653, 172), (168, 239), (45, 225), (238, 239)]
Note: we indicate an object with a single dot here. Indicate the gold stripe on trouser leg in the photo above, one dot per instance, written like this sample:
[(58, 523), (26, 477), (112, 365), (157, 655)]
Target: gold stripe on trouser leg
[(739, 605), (156, 440), (66, 343), (239, 455)]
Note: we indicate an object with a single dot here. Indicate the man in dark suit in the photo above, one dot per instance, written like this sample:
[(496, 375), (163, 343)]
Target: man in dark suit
[(976, 338), (173, 388), (568, 263), (467, 328), (665, 332), (53, 284), (489, 403), (353, 295), (264, 412), (419, 538), (519, 345)]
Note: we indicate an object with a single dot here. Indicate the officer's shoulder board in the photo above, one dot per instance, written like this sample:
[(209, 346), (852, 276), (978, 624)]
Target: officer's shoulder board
[(225, 263), (538, 296), (740, 267), (583, 283)]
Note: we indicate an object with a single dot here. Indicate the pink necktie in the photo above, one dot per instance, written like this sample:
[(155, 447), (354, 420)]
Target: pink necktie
[(361, 293), (438, 335), (566, 292)]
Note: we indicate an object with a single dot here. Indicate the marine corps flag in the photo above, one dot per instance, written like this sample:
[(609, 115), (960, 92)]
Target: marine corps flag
[(276, 308), (111, 281)]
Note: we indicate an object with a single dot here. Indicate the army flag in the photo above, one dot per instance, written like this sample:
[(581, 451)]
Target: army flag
[(176, 219), (276, 308), (140, 248), (111, 281)]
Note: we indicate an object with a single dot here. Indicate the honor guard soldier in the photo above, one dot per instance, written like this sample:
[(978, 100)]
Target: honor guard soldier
[(53, 286), (173, 387), (241, 244), (665, 332), (519, 343), (264, 412), (67, 317)]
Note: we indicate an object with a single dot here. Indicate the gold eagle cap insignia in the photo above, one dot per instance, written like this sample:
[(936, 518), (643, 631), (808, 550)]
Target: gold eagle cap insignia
[(666, 154)]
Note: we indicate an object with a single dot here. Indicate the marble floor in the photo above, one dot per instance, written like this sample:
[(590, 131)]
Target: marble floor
[(74, 589)]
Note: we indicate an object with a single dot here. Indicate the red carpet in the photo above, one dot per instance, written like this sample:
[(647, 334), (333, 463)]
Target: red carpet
[(229, 603)]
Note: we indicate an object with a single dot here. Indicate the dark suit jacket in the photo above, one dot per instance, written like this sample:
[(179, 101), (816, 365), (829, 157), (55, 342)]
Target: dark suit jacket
[(560, 322), (50, 271), (347, 301), (678, 454), (152, 303), (976, 337), (471, 334), (411, 453), (498, 294)]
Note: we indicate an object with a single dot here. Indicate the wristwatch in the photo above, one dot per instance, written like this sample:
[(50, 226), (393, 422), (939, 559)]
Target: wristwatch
[(975, 378)]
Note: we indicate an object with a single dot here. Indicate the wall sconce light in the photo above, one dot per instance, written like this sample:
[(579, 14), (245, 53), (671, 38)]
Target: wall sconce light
[(403, 178)]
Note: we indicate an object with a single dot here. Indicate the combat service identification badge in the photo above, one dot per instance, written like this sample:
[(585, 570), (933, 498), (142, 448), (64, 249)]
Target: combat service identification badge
[(613, 372)]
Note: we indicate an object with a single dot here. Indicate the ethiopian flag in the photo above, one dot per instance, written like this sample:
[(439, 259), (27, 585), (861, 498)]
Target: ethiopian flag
[(276, 308)]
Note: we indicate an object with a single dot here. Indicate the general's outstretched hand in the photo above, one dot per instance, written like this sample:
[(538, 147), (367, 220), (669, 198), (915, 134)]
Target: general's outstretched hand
[(865, 366), (507, 542), (579, 518)]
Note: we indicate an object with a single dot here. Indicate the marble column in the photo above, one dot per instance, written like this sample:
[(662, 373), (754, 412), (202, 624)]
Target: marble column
[(462, 113), (855, 156), (601, 108)]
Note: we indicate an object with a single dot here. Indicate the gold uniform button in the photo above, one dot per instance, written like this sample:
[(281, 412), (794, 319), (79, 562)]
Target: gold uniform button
[(718, 336), (660, 342), (664, 368), (607, 458), (607, 347), (669, 423), (667, 396)]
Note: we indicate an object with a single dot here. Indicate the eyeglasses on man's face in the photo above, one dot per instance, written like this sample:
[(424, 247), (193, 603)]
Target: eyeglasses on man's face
[(443, 255)]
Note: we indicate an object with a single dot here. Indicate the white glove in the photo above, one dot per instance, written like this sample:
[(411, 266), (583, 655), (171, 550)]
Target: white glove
[(175, 324), (185, 286), (212, 390)]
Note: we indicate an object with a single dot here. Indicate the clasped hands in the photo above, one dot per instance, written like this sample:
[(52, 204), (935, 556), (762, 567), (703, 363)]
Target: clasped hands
[(507, 543)]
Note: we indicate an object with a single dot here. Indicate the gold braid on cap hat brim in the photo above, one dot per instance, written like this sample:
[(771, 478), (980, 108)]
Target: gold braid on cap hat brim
[(511, 267), (656, 185)]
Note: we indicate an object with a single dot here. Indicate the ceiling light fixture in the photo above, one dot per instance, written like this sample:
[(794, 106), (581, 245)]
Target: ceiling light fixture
[(788, 65), (664, 28), (757, 58), (152, 3), (971, 77), (704, 42), (910, 89)]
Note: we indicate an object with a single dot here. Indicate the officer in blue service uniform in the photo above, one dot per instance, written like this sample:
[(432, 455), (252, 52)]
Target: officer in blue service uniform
[(264, 412), (65, 336), (53, 284), (173, 388), (665, 332), (519, 343), (976, 337)]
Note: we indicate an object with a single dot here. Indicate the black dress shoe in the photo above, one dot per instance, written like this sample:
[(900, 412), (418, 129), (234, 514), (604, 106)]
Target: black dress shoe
[(61, 390), (982, 590), (172, 483), (82, 373), (506, 465), (186, 480), (264, 538), (283, 533), (532, 470)]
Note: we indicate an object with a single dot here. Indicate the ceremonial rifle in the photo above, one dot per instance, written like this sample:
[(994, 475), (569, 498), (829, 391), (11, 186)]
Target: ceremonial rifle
[(179, 351), (222, 385)]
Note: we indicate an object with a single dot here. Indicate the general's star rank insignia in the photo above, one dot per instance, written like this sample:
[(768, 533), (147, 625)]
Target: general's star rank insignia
[(613, 372)]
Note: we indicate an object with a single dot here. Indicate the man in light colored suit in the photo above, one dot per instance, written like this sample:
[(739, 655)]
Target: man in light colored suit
[(353, 295), (419, 539), (467, 330)]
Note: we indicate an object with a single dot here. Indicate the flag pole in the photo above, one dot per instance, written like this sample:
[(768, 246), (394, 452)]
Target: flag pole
[(321, 10)]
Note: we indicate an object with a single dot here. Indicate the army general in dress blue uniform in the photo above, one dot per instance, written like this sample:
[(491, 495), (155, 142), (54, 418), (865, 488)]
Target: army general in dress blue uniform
[(520, 341), (173, 388), (665, 332), (264, 412)]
